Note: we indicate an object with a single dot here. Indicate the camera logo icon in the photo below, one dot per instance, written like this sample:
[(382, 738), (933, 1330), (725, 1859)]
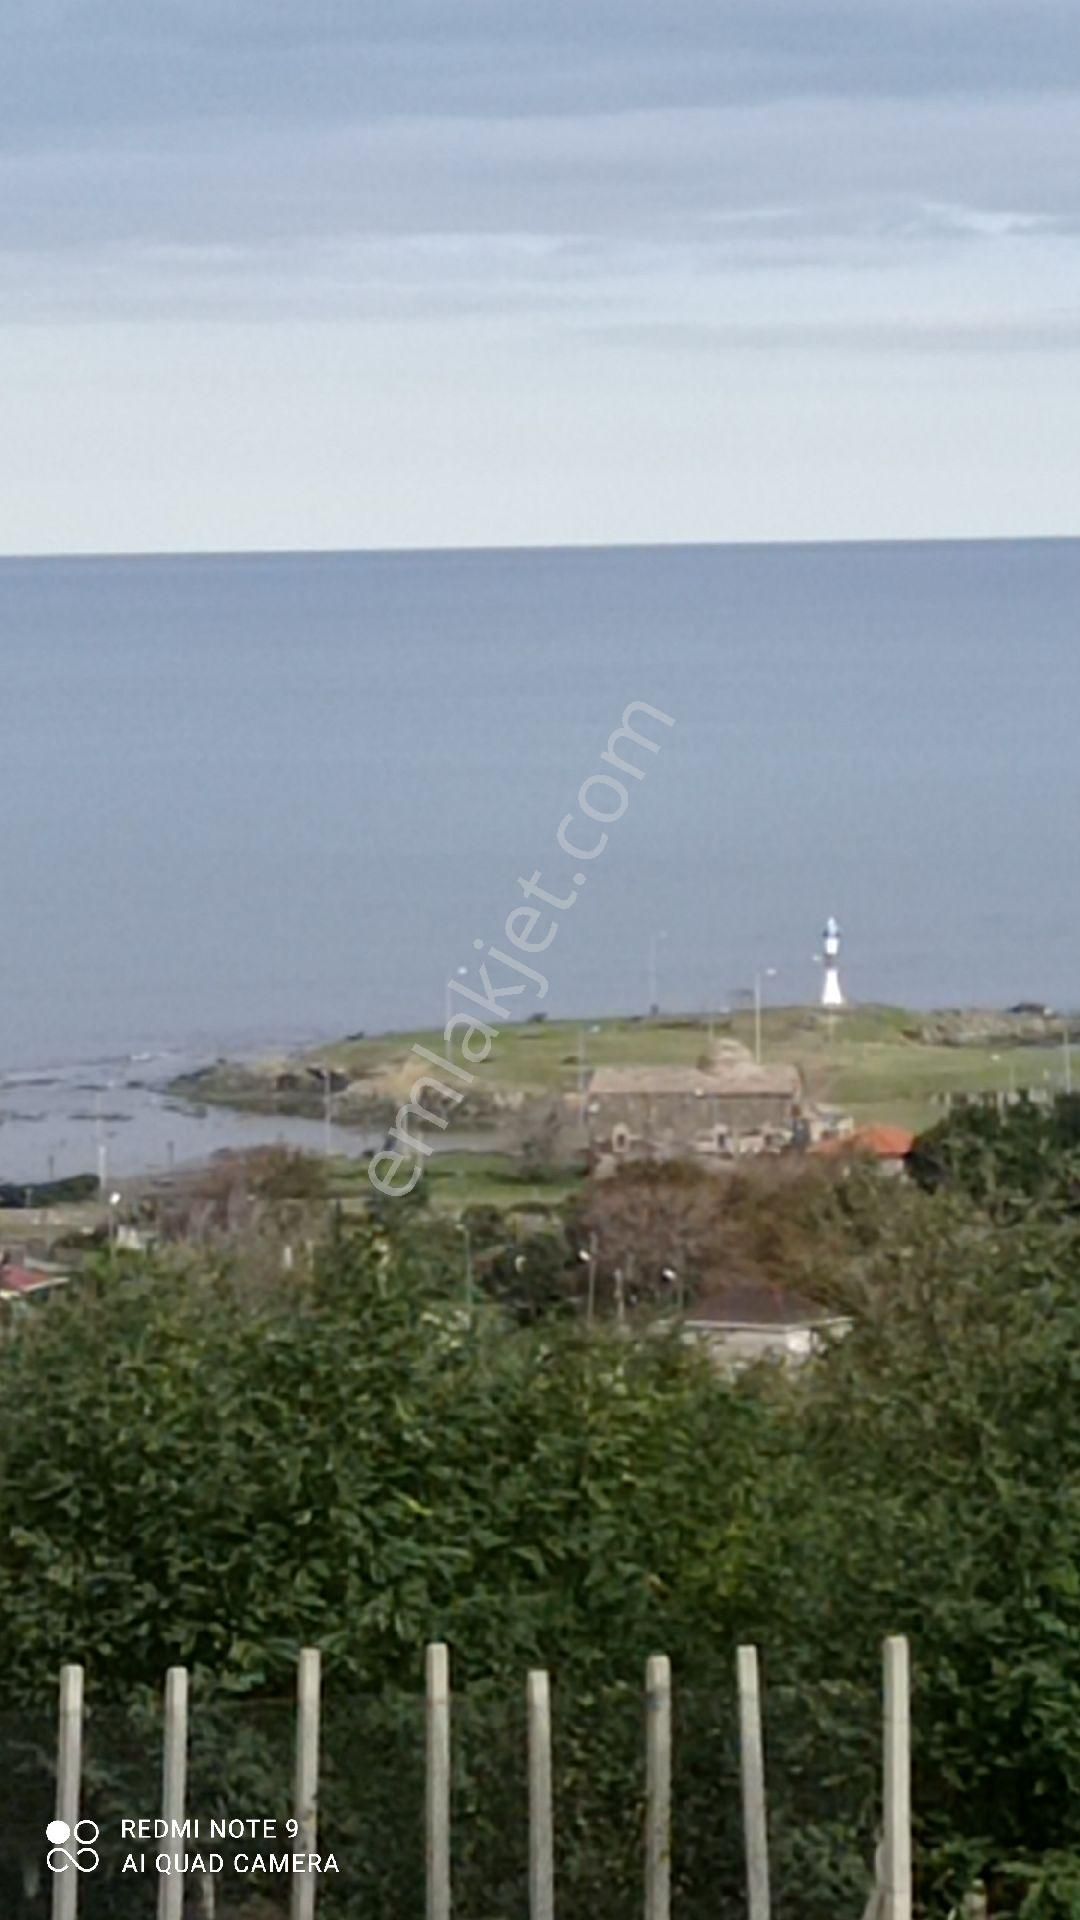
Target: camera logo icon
[(84, 1858)]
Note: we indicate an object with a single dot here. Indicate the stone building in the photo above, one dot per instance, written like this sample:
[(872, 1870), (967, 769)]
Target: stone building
[(733, 1105)]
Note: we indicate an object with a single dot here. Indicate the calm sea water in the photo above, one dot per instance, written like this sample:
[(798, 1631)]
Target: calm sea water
[(252, 796)]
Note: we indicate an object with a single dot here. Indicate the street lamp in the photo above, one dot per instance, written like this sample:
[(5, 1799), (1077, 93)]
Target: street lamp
[(102, 1149), (671, 1276), (654, 997), (327, 1073), (763, 973), (459, 974), (996, 1057), (589, 1264), (581, 1068), (464, 1232)]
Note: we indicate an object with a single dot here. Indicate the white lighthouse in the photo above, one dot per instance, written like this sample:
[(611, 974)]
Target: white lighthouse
[(831, 991)]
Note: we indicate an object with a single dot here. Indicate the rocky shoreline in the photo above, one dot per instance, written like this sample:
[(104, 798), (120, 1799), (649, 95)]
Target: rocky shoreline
[(299, 1089), (368, 1093)]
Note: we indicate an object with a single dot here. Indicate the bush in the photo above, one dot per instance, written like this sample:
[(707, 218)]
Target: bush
[(364, 1463)]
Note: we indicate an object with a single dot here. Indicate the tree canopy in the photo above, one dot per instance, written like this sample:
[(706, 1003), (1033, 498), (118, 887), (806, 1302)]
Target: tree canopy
[(365, 1460)]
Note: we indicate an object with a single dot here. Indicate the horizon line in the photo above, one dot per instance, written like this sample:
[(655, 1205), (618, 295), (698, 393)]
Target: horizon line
[(35, 557)]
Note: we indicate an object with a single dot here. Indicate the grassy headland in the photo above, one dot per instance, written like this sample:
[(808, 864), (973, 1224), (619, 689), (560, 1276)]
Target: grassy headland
[(878, 1063)]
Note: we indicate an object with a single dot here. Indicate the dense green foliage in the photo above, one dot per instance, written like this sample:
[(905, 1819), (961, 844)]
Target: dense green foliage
[(366, 1462), (1008, 1159)]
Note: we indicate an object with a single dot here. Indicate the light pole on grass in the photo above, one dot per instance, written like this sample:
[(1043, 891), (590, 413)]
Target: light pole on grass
[(464, 1232), (582, 1067), (671, 1276), (996, 1058), (654, 992), (763, 973), (458, 974), (327, 1073), (588, 1260)]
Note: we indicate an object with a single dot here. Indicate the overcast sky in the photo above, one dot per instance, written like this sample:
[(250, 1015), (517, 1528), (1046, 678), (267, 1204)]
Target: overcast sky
[(281, 273)]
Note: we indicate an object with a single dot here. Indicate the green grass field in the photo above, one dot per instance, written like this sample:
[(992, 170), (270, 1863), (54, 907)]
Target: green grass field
[(455, 1180), (864, 1060)]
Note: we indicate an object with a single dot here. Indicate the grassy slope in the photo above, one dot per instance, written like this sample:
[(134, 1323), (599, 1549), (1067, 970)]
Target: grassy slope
[(861, 1061), (457, 1180)]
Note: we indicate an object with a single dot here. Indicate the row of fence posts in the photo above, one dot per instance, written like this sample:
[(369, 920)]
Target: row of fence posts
[(889, 1900)]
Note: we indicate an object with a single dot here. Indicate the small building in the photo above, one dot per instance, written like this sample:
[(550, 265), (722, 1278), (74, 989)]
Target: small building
[(888, 1146), (749, 1321), (733, 1105), (20, 1284)]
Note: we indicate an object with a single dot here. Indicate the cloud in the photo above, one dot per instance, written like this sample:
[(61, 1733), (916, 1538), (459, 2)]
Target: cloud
[(608, 192), (70, 65), (410, 216), (194, 139)]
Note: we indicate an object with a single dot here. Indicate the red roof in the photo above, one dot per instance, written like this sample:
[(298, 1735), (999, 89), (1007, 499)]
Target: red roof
[(25, 1280), (884, 1143)]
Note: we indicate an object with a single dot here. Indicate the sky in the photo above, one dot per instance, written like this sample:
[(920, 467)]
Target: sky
[(281, 274)]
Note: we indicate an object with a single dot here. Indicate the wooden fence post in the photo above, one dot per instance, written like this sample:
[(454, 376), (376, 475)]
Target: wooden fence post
[(896, 1848), (174, 1788), (541, 1829), (658, 1787), (308, 1676), (65, 1896), (752, 1763), (437, 1823)]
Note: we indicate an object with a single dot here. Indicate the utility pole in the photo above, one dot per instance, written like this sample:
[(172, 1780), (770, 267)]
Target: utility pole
[(583, 1069), (768, 973), (1066, 1044), (328, 1110), (654, 992), (102, 1150), (459, 974), (588, 1260), (464, 1232)]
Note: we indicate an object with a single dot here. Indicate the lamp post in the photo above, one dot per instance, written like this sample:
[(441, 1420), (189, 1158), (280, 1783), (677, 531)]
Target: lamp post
[(102, 1149), (582, 1066), (654, 996), (464, 1232), (588, 1260), (672, 1277), (459, 974), (763, 973), (1010, 1068), (327, 1073), (1066, 1047)]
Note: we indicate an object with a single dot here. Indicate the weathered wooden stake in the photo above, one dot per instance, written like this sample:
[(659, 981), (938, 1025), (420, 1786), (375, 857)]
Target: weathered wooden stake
[(65, 1898), (896, 1849), (308, 1674), (752, 1759), (437, 1824), (174, 1788), (658, 1787), (541, 1827)]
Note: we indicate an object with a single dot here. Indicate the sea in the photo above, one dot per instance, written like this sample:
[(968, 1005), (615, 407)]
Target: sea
[(252, 802)]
